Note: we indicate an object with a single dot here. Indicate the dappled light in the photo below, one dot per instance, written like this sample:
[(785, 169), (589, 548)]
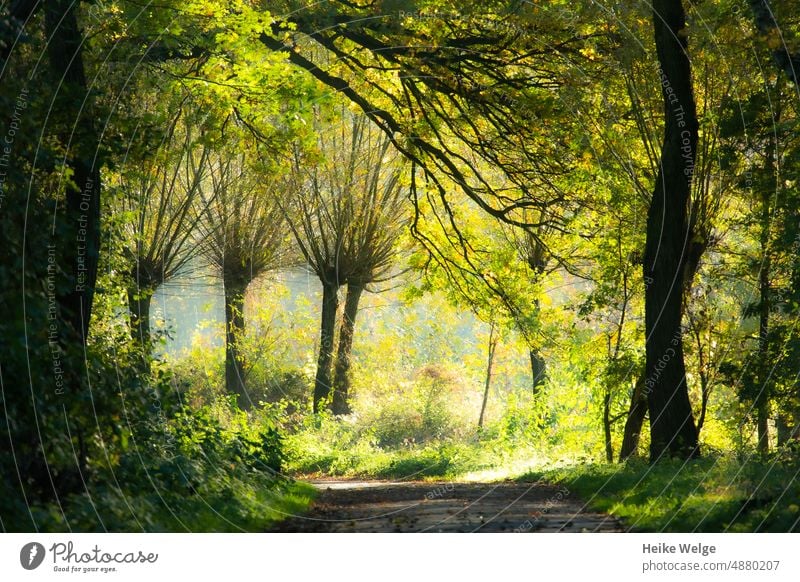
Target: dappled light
[(386, 266)]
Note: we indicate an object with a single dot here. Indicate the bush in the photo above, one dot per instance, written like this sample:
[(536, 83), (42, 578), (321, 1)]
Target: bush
[(416, 413), (209, 469)]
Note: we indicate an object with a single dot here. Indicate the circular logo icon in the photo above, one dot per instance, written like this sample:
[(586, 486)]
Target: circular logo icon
[(31, 555)]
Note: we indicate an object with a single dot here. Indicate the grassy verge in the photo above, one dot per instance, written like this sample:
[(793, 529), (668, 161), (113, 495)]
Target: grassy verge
[(241, 505), (714, 494), (437, 460), (717, 493), (434, 461)]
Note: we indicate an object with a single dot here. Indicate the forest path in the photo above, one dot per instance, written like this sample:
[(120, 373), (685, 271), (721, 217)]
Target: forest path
[(429, 506)]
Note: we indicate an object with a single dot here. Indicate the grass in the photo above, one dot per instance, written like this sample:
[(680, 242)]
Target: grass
[(435, 460), (249, 505), (717, 493), (714, 494)]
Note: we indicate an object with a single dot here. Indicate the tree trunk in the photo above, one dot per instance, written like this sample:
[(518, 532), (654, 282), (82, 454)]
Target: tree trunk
[(80, 242), (139, 307), (234, 331), (783, 428), (672, 427), (76, 236), (787, 63), (341, 377), (607, 426), (139, 301), (322, 382), (705, 391), (489, 364), (634, 423), (538, 370), (761, 400)]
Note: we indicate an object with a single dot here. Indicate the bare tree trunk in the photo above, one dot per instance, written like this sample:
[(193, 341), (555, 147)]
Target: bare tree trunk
[(607, 425), (634, 423), (489, 364), (341, 376), (139, 301), (672, 428), (234, 331), (322, 382)]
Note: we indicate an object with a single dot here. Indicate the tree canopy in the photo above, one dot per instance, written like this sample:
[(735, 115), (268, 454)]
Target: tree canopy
[(368, 235)]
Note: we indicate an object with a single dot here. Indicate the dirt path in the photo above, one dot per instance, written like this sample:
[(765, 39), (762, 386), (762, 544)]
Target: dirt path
[(377, 506)]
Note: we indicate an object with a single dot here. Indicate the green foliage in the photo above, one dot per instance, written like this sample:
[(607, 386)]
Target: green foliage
[(534, 159), (200, 469), (714, 494), (419, 432)]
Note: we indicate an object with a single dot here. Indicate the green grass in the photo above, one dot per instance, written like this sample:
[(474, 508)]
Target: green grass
[(436, 460), (250, 505), (717, 493), (714, 494)]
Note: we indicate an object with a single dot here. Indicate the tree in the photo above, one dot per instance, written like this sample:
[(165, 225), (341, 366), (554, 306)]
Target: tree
[(346, 220), (242, 234), (74, 100), (50, 198), (464, 109), (779, 40), (672, 427), (491, 349), (532, 247), (629, 151), (162, 198)]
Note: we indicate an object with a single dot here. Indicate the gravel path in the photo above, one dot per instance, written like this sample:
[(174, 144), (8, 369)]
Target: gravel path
[(379, 506)]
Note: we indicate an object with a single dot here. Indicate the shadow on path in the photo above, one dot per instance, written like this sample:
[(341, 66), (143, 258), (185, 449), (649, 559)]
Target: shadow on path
[(379, 506)]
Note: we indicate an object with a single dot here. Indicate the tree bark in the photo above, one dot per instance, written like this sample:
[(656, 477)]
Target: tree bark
[(783, 428), (139, 301), (80, 242), (607, 426), (75, 242), (634, 423), (341, 377), (705, 392), (538, 370), (672, 428), (761, 401), (322, 382), (234, 331), (787, 62), (489, 364), (762, 395)]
